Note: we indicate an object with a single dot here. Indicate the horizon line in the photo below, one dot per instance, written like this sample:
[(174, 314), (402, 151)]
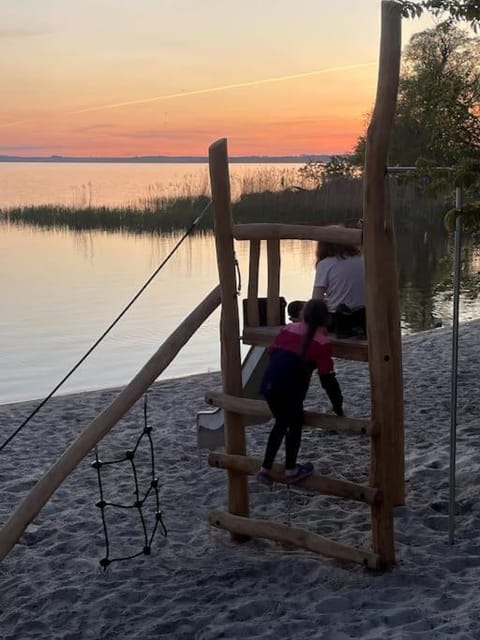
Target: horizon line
[(169, 156)]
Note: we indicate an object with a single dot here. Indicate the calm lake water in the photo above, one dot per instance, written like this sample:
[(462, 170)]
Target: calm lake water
[(79, 184), (61, 289)]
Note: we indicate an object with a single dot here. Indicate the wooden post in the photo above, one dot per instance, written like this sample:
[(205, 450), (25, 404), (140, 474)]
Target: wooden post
[(273, 282), (229, 323), (252, 301), (39, 495), (383, 319)]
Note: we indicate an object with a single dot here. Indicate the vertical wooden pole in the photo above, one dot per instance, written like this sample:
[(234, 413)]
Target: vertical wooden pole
[(383, 317), (273, 284), (229, 323), (252, 301)]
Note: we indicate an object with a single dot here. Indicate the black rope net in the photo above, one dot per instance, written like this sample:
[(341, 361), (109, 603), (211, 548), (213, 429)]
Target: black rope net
[(140, 498)]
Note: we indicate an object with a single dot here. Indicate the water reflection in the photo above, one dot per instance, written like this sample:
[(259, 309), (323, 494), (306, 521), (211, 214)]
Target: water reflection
[(425, 263), (61, 289)]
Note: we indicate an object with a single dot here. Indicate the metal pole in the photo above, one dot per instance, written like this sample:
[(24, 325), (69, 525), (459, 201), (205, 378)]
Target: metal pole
[(453, 394), (413, 169)]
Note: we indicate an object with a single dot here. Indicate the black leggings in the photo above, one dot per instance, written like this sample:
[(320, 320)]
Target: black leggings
[(288, 414)]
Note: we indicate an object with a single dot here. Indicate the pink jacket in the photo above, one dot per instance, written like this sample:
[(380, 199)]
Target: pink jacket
[(319, 350)]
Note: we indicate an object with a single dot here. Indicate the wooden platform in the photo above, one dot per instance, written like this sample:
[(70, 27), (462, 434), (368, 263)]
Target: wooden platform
[(347, 349)]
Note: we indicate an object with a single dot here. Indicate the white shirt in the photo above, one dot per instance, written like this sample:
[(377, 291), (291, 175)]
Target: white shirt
[(343, 280)]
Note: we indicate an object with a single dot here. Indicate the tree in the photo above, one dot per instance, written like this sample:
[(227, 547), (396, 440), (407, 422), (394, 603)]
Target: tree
[(339, 167), (438, 116), (459, 110), (466, 10)]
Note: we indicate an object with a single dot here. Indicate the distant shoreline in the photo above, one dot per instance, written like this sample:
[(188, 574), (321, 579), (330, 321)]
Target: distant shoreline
[(167, 159)]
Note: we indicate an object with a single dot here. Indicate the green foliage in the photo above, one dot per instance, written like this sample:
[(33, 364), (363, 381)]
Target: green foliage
[(432, 181), (338, 167), (470, 218), (437, 122), (439, 93), (461, 10), (470, 276), (437, 180), (336, 200), (177, 214), (312, 173)]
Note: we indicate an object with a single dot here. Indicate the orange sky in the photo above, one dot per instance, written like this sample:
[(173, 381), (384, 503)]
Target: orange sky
[(177, 74)]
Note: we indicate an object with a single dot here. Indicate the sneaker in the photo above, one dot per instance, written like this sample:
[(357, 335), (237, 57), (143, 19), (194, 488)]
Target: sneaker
[(302, 471), (264, 476), (335, 412)]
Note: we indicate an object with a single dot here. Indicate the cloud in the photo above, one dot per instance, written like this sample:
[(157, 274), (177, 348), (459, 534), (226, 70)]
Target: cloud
[(28, 147), (164, 134), (111, 132), (13, 33), (97, 129), (226, 87), (210, 90)]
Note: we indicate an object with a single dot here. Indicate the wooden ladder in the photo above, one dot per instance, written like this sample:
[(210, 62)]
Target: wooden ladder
[(382, 350)]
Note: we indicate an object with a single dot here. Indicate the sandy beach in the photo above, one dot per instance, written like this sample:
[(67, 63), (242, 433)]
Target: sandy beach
[(197, 583)]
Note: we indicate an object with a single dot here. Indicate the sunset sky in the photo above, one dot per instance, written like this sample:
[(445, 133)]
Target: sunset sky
[(151, 77)]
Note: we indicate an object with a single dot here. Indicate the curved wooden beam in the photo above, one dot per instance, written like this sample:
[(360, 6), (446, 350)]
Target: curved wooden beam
[(39, 495), (276, 231)]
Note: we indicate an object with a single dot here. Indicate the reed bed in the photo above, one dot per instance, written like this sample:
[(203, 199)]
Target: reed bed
[(168, 215), (268, 195), (424, 249)]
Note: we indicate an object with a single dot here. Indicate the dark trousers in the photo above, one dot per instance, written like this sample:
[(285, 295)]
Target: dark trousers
[(347, 323), (331, 387), (288, 414)]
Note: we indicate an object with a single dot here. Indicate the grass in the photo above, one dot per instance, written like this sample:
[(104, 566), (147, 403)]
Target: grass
[(154, 212), (272, 195), (268, 195), (170, 216)]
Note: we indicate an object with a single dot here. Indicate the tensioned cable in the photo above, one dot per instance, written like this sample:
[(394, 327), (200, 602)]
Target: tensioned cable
[(109, 328)]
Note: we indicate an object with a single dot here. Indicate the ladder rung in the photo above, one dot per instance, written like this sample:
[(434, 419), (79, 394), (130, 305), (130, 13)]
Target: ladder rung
[(347, 349), (315, 482), (298, 537), (251, 407)]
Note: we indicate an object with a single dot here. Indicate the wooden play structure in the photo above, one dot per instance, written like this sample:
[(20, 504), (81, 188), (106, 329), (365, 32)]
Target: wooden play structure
[(382, 349)]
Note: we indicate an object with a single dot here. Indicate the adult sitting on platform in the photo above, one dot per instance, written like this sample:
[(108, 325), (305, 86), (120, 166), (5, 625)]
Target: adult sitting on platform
[(340, 281)]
